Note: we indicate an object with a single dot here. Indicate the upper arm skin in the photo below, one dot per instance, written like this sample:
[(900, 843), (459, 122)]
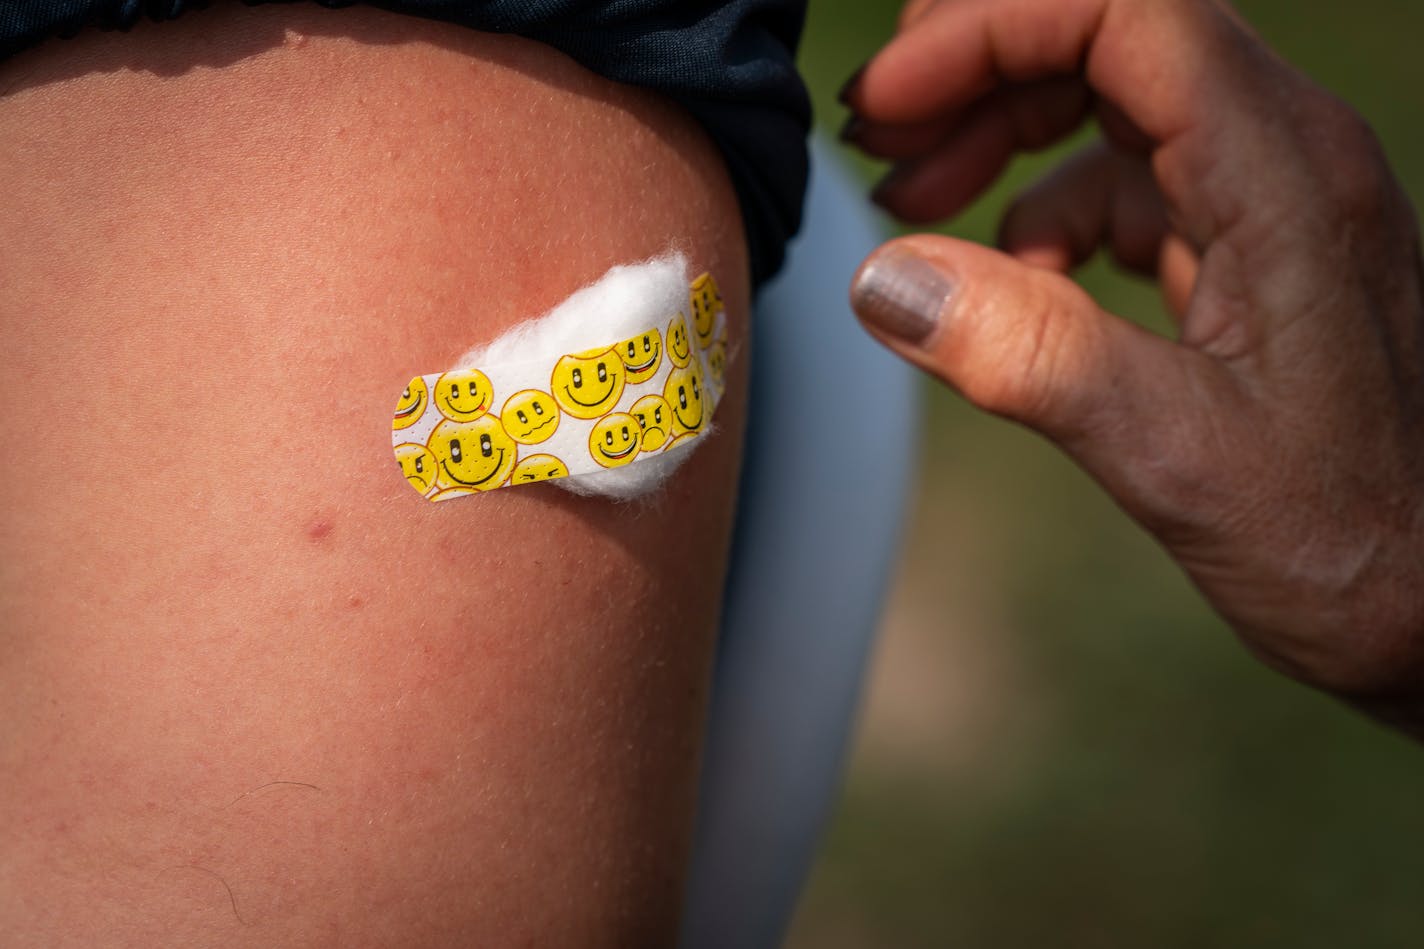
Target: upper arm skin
[(253, 690)]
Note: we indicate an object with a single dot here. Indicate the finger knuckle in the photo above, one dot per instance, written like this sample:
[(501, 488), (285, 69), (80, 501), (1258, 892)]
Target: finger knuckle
[(1348, 160), (1008, 357)]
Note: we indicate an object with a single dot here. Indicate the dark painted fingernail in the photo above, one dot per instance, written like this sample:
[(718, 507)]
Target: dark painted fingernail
[(852, 129), (886, 187), (902, 294), (848, 90)]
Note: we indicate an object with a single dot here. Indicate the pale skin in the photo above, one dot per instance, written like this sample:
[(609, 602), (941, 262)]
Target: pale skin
[(1276, 445), (253, 690)]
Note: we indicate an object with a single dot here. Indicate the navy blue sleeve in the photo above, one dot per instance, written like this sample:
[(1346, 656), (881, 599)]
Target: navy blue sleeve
[(730, 63)]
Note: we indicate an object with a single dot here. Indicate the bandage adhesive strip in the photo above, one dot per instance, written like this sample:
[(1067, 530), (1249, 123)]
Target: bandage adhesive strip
[(545, 417)]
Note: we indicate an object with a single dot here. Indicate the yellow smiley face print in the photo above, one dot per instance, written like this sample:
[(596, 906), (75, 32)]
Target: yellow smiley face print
[(706, 302), (417, 464), (614, 440), (587, 385), (538, 468), (412, 404), (641, 355), (684, 394), (717, 364), (463, 395), (530, 416), (654, 417), (679, 347), (477, 455)]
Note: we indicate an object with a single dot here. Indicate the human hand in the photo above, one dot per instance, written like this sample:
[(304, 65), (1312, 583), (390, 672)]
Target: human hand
[(1276, 447)]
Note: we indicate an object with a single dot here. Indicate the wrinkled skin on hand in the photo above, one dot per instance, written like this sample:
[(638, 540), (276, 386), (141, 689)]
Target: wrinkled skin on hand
[(1276, 446)]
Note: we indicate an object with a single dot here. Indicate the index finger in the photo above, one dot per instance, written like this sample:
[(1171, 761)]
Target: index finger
[(1160, 61)]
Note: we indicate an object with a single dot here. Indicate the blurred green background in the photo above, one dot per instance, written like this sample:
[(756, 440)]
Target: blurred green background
[(1060, 745)]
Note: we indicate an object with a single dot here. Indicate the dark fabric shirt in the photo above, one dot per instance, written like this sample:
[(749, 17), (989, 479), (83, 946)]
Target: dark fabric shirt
[(730, 63)]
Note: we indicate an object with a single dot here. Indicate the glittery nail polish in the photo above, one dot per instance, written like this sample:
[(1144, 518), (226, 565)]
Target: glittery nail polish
[(902, 294)]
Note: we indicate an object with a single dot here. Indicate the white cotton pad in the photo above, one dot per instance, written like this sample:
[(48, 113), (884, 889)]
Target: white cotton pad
[(606, 394)]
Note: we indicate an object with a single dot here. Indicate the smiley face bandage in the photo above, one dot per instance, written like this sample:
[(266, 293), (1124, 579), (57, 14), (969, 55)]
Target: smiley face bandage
[(574, 395)]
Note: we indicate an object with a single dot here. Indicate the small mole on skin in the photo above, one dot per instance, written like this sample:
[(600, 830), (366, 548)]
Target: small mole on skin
[(355, 602), (318, 529)]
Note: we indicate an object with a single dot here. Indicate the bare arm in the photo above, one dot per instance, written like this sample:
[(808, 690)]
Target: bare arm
[(254, 693)]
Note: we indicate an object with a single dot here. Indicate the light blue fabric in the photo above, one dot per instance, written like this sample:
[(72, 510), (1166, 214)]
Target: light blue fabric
[(830, 446)]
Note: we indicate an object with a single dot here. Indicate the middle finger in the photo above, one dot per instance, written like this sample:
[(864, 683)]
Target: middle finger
[(974, 148)]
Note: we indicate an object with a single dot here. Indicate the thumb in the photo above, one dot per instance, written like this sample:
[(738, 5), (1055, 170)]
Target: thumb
[(1032, 346)]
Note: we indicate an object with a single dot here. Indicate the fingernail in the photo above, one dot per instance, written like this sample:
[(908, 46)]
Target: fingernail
[(847, 90), (902, 294), (852, 129), (887, 185)]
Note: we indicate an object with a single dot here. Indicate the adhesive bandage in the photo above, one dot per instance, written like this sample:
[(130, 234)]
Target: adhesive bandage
[(603, 394)]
